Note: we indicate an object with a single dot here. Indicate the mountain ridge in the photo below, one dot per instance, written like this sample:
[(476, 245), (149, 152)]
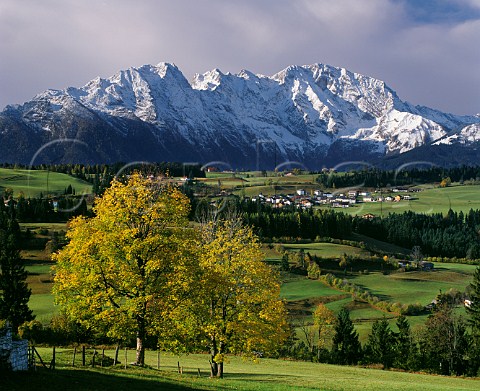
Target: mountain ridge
[(315, 115)]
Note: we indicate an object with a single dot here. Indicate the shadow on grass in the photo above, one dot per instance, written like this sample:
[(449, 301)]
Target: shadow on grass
[(79, 379), (365, 288), (256, 377)]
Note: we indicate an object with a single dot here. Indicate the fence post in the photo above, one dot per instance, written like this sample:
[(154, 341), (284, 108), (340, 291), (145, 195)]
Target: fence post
[(125, 358), (178, 365), (158, 359), (93, 358), (74, 354), (83, 355), (31, 359), (34, 360), (103, 357)]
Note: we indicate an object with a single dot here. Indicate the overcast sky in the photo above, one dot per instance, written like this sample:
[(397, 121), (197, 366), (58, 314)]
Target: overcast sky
[(426, 50)]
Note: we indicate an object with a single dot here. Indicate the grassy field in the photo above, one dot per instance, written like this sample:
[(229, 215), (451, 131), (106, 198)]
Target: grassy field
[(268, 375), (43, 307), (42, 226), (300, 288), (429, 200), (379, 246), (303, 295), (416, 287), (253, 183), (33, 182), (326, 250)]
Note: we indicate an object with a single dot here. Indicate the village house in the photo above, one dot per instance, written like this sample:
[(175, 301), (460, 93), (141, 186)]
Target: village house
[(352, 194)]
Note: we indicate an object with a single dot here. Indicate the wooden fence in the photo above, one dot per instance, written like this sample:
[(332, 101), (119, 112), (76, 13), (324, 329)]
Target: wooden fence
[(83, 356)]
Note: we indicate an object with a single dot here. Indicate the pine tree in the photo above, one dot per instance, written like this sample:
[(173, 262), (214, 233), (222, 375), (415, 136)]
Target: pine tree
[(404, 348), (284, 264), (14, 291), (381, 343), (346, 347), (474, 308)]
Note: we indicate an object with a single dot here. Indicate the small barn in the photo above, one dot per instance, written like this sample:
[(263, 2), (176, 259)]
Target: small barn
[(427, 266)]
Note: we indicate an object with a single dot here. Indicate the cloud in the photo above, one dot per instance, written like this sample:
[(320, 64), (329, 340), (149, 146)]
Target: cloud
[(58, 43), (474, 3)]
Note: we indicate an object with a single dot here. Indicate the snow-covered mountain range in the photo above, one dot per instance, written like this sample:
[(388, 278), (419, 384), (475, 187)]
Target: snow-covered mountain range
[(318, 115)]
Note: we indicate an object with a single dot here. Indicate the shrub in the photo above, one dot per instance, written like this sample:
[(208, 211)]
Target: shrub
[(313, 271), (33, 331)]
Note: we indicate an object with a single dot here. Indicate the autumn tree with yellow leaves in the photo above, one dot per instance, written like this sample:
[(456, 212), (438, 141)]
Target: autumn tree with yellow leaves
[(123, 270), (324, 319), (237, 308)]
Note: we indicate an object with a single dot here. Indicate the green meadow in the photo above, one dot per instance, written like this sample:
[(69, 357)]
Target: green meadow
[(301, 294), (32, 183), (428, 200), (327, 250), (300, 288), (266, 374), (253, 183)]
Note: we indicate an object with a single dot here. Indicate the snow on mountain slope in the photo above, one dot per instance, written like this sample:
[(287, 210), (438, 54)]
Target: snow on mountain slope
[(468, 135), (298, 114)]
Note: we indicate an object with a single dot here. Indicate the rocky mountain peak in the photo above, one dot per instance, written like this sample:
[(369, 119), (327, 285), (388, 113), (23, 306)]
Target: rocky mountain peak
[(314, 114)]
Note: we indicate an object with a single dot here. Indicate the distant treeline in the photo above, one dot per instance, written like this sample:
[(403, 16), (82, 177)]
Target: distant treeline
[(100, 175), (270, 222), (453, 234), (439, 235), (405, 177), (27, 210)]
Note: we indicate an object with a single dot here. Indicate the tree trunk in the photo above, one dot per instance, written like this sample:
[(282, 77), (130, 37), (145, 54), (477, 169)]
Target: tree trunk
[(213, 346), (220, 370), (220, 364), (140, 356), (213, 353)]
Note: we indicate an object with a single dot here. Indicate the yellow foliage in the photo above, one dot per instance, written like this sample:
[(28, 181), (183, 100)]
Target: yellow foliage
[(136, 268), (237, 308), (324, 319), (120, 266)]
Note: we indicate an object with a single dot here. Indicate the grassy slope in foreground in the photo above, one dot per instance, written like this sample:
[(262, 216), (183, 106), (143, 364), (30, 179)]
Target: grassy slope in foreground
[(240, 375)]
